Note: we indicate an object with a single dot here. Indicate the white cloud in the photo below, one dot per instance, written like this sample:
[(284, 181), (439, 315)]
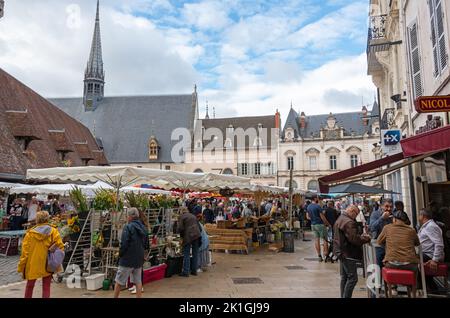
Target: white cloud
[(247, 94), (47, 55), (206, 15)]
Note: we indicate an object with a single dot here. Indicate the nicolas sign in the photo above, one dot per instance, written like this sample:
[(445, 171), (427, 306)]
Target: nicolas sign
[(433, 104)]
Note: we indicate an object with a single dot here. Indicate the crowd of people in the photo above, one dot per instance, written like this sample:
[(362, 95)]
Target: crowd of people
[(23, 211), (396, 241), (342, 229)]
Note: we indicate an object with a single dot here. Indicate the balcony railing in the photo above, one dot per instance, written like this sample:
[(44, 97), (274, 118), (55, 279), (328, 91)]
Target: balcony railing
[(377, 31), (377, 27)]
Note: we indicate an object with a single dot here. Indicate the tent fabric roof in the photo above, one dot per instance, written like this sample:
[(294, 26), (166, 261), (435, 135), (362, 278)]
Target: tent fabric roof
[(122, 176), (357, 188)]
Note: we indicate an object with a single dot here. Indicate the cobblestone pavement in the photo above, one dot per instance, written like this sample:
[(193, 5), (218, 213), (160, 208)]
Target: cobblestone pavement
[(281, 275), (8, 270)]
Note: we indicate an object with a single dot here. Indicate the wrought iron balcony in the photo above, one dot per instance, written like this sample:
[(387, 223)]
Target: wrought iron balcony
[(377, 27), (376, 38)]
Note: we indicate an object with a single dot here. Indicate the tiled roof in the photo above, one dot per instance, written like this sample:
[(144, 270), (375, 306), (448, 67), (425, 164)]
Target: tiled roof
[(267, 122), (99, 157), (42, 117), (123, 125), (21, 124), (352, 123), (60, 141), (83, 150)]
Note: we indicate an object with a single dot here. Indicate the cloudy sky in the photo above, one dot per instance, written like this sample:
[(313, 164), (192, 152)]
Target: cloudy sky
[(248, 57)]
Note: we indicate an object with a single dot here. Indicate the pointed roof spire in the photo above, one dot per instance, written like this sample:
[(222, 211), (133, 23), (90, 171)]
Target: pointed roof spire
[(214, 112), (94, 67), (291, 104), (207, 111)]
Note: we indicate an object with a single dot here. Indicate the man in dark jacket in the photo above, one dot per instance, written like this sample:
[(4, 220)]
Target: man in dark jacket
[(131, 254), (190, 232), (347, 247)]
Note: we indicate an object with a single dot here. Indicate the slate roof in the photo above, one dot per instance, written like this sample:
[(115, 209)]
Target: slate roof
[(41, 118), (351, 122), (267, 122), (125, 124)]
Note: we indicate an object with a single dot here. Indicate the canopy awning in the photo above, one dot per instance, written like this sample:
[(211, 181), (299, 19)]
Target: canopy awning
[(415, 149), (436, 140), (122, 176), (357, 188)]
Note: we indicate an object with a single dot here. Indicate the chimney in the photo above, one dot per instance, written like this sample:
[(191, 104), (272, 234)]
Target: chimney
[(277, 120), (364, 115), (302, 120)]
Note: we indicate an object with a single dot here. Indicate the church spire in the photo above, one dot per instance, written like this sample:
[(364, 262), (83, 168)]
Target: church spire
[(94, 76), (207, 111)]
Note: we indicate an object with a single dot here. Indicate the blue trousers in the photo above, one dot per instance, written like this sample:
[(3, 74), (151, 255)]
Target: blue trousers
[(187, 257)]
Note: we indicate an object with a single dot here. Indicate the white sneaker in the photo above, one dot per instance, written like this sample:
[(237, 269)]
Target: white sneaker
[(131, 289), (134, 291), (199, 270)]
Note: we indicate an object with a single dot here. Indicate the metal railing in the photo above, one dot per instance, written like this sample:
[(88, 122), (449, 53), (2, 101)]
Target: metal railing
[(377, 29)]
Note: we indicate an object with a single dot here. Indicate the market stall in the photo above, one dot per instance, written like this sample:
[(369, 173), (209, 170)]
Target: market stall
[(96, 249)]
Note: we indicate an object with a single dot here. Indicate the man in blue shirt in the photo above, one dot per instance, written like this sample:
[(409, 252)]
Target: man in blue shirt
[(378, 220), (317, 216)]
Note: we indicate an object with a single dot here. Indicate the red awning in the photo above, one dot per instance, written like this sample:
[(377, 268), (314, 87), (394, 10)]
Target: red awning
[(433, 141), (416, 148), (345, 174)]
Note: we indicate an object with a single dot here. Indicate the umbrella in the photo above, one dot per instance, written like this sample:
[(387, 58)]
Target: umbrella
[(357, 188)]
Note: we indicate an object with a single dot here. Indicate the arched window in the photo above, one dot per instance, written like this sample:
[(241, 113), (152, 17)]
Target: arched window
[(227, 171), (313, 185), (294, 184), (198, 171)]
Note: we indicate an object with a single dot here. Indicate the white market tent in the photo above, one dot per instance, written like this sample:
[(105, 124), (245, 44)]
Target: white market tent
[(64, 189), (122, 176), (7, 185)]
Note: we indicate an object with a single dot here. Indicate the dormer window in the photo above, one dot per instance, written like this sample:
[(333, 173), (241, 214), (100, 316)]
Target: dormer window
[(289, 136), (153, 149)]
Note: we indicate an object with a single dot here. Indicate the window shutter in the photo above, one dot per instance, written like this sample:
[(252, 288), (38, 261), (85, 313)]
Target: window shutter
[(415, 60), (443, 58)]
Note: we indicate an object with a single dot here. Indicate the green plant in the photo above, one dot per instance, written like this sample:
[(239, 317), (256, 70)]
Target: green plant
[(106, 200), (140, 201), (79, 199)]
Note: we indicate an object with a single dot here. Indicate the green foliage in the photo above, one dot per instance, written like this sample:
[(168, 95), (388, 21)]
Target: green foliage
[(79, 200), (106, 200)]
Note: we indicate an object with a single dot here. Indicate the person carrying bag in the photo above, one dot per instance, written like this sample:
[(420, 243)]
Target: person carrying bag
[(42, 254)]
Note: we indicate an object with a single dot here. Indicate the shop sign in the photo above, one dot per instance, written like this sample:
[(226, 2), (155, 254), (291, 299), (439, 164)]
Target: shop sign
[(433, 104), (391, 141)]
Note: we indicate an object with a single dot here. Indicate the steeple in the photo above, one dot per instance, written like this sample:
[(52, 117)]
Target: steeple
[(94, 76), (207, 111)]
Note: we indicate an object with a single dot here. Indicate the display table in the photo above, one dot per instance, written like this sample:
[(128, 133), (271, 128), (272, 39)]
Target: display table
[(228, 239), (9, 242)]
